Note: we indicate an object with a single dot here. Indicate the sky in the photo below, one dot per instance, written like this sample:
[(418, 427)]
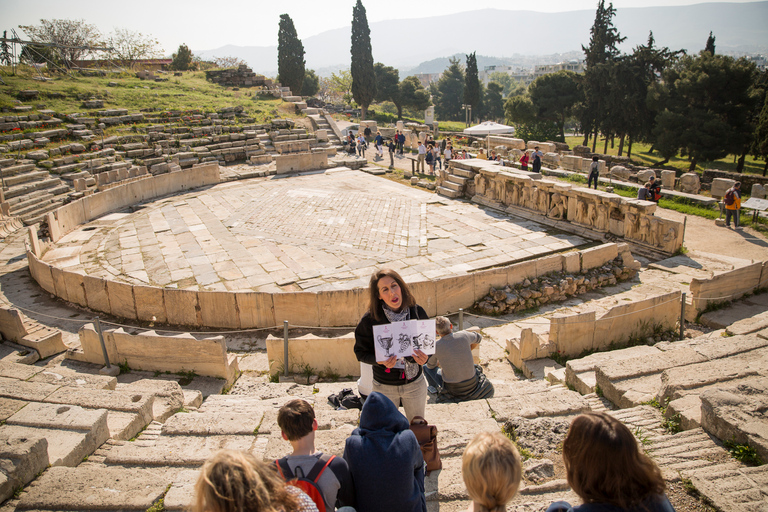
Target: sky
[(206, 25)]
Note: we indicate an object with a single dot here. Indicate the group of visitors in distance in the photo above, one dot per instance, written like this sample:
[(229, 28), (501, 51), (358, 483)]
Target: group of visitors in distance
[(382, 467)]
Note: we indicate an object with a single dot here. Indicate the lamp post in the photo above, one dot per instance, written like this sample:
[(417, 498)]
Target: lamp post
[(467, 114)]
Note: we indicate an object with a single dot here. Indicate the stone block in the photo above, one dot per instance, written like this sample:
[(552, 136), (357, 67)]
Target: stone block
[(212, 424), (690, 183), (453, 293), (73, 281), (558, 402), (645, 175), (598, 256), (181, 307), (668, 179), (256, 309), (41, 272), (547, 264), (619, 171), (519, 272), (23, 458), (759, 191), (136, 403), (169, 397), (89, 487), (321, 354), (298, 308), (28, 391), (637, 319), (59, 285), (572, 262), (425, 292), (178, 451), (340, 307), (720, 186), (218, 309), (573, 334), (121, 300), (486, 279), (733, 284), (150, 304)]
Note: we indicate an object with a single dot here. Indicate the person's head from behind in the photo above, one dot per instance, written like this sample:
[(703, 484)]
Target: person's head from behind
[(443, 326), (387, 288), (492, 470), (296, 419), (233, 481), (594, 159), (647, 184), (604, 464), (737, 185)]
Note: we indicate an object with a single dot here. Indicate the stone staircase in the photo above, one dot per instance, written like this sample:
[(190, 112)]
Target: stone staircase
[(454, 182), (325, 122), (30, 193)]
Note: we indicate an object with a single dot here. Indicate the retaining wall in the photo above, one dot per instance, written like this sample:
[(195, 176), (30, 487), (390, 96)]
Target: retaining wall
[(575, 208), (323, 355), (246, 310), (727, 286)]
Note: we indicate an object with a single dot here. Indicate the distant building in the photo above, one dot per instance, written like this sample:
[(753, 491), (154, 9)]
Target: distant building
[(145, 64), (577, 66), (521, 75), (427, 78), (760, 61)]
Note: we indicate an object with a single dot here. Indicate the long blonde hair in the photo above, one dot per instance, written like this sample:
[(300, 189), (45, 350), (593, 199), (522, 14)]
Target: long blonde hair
[(233, 481), (492, 470)]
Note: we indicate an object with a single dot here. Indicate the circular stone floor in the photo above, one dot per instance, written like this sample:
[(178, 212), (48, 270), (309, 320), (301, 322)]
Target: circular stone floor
[(313, 232)]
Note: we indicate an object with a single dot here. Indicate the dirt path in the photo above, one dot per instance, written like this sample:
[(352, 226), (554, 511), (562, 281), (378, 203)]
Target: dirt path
[(702, 235)]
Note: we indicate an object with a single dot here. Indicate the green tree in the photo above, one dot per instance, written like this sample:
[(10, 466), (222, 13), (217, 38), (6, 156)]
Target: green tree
[(412, 95), (387, 83), (290, 56), (494, 103), (760, 139), (504, 80), (182, 59), (449, 92), (704, 105), (472, 91), (311, 84), (599, 56), (75, 38), (522, 114), (341, 83), (5, 51), (128, 46), (554, 95), (363, 74), (710, 46)]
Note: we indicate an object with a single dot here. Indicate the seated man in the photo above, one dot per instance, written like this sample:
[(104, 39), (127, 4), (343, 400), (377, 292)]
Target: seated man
[(457, 376), (297, 423)]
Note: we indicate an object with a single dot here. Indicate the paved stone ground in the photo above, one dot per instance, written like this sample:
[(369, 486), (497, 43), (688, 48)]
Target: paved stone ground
[(313, 232)]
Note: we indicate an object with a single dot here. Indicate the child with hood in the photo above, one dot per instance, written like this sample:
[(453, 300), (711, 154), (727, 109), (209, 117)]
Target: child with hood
[(385, 460)]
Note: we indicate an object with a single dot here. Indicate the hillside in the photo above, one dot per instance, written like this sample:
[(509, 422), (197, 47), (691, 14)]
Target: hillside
[(738, 27)]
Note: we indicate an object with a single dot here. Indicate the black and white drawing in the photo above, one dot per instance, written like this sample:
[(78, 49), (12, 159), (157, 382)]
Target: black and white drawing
[(402, 338)]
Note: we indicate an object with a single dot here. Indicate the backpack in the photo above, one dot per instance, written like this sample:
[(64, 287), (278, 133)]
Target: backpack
[(308, 483), (729, 199)]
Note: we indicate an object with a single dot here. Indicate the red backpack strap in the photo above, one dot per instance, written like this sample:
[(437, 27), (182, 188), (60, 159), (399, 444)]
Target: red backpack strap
[(323, 462)]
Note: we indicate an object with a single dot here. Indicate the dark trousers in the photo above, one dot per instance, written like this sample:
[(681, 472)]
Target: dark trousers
[(729, 214), (592, 175)]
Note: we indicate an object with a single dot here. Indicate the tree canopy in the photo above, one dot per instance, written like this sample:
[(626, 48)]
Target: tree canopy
[(311, 84), (493, 102), (472, 91), (554, 96), (129, 46), (363, 74), (448, 92), (183, 59), (290, 56), (73, 37)]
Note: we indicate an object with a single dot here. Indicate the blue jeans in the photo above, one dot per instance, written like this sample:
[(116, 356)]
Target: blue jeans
[(434, 377)]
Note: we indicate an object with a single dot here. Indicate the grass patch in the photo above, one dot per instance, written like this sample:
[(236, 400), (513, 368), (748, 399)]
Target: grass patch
[(671, 424), (743, 453), (511, 434), (124, 368)]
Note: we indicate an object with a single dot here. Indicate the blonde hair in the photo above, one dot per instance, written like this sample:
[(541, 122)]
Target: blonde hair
[(233, 481), (492, 470)]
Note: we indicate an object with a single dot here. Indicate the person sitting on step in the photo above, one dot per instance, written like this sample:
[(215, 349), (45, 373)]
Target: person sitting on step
[(457, 376)]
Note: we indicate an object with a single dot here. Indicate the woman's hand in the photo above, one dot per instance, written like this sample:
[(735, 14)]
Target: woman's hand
[(389, 363), (420, 357)]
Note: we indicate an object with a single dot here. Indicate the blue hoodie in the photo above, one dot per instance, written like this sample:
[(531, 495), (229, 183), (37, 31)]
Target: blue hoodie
[(385, 460)]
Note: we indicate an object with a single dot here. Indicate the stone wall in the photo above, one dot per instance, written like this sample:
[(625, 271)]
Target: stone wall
[(323, 355), (577, 208), (747, 180), (150, 351), (243, 76), (726, 287)]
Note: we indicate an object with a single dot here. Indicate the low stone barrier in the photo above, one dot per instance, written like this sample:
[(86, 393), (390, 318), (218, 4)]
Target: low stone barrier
[(150, 351), (246, 310), (312, 353), (577, 207), (573, 335), (726, 287), (14, 326)]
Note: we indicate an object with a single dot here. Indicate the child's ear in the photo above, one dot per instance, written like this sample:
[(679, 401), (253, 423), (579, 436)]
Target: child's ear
[(283, 435), (314, 424)]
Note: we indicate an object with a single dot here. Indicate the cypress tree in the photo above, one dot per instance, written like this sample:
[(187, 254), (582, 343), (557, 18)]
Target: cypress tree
[(710, 46), (472, 92), (363, 74), (290, 56)]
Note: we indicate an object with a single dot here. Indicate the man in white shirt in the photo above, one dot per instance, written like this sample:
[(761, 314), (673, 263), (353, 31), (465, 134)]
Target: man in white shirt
[(422, 157)]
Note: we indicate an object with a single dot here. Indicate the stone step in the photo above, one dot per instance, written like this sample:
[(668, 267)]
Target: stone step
[(456, 187), (443, 191), (25, 188), (732, 486), (557, 402), (26, 177), (459, 180), (13, 170), (18, 199), (38, 215), (23, 458), (82, 488), (22, 202), (32, 206)]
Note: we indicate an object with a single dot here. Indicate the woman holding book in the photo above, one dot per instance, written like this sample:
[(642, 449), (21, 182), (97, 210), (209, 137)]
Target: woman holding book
[(400, 379)]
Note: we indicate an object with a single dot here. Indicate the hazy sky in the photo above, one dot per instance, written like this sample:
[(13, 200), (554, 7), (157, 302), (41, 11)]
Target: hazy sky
[(206, 25)]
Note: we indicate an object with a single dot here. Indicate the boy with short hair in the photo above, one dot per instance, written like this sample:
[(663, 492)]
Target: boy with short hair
[(297, 423)]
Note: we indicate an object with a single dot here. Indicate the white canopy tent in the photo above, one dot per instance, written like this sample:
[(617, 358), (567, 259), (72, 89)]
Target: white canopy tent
[(489, 128)]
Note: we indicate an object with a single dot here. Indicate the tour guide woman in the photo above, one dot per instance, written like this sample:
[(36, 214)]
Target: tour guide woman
[(398, 379)]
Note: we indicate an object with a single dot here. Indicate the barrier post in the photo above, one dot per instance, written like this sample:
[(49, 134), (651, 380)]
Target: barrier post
[(682, 317), (461, 319), (285, 347), (103, 345)]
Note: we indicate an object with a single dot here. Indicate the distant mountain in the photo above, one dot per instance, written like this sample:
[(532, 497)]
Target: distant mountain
[(409, 44)]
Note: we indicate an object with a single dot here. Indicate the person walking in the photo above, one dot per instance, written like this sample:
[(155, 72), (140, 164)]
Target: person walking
[(391, 147), (379, 144), (594, 173), (524, 161), (537, 155), (421, 158)]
